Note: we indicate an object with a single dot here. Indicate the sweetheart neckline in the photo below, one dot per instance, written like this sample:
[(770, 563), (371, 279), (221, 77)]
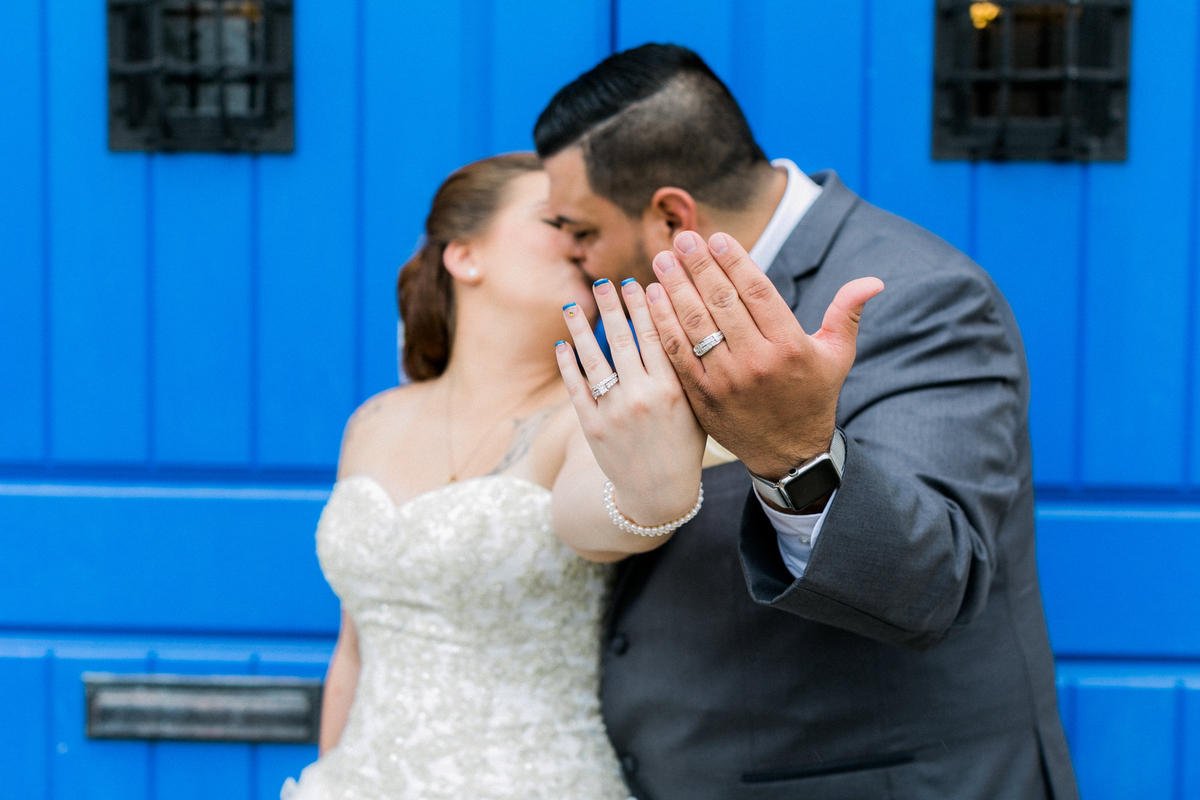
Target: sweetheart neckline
[(397, 507)]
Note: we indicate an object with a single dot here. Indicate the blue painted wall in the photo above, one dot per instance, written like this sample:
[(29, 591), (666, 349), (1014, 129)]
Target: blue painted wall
[(182, 338)]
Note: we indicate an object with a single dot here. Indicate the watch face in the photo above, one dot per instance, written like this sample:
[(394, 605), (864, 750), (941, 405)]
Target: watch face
[(818, 480)]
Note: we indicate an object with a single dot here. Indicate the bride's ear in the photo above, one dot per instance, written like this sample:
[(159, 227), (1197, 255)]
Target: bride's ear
[(460, 260)]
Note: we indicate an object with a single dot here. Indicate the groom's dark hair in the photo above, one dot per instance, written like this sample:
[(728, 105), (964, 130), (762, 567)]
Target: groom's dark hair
[(650, 117)]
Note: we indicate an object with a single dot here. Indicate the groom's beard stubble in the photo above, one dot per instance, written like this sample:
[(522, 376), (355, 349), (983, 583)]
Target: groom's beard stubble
[(638, 266)]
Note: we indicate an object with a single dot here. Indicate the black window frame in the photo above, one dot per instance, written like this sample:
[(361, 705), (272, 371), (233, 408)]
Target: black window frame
[(249, 102), (1081, 108)]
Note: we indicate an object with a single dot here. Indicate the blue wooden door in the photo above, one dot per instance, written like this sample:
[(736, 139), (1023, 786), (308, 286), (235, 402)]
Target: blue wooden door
[(183, 336)]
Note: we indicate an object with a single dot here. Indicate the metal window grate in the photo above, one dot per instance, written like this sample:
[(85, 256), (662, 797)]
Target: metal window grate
[(207, 75), (1022, 80)]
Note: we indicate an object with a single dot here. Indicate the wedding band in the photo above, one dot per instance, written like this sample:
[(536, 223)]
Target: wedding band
[(708, 343), (601, 388)]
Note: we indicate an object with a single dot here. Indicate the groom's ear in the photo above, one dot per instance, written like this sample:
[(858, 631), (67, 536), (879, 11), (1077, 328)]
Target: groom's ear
[(671, 211)]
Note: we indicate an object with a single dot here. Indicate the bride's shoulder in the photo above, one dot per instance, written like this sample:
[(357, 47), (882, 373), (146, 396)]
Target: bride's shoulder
[(380, 416)]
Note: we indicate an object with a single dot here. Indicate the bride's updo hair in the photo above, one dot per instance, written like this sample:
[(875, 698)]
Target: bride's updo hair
[(462, 208)]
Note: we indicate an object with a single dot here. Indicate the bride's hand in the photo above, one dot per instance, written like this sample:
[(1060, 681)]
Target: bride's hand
[(642, 431)]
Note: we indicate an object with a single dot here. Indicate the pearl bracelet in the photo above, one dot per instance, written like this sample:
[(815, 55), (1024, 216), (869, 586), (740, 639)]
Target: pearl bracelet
[(626, 524)]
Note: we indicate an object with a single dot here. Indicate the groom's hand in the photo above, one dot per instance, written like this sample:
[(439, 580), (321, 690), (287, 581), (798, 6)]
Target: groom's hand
[(769, 391)]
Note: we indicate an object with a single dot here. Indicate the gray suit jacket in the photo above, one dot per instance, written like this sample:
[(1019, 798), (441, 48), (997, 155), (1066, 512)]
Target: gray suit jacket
[(911, 660)]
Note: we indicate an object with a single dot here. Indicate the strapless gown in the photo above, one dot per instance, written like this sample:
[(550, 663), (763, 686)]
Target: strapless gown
[(479, 637)]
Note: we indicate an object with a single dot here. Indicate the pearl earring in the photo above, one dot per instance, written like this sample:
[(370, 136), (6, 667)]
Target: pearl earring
[(472, 273)]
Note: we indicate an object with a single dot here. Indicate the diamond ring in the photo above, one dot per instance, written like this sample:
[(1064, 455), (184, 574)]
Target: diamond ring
[(708, 343), (601, 388)]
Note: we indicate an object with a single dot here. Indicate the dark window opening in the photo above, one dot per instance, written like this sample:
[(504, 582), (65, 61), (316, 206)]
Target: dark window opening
[(206, 75), (1031, 80)]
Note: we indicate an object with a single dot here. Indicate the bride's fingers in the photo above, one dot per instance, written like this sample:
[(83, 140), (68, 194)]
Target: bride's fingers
[(595, 365), (653, 357), (620, 338), (581, 394)]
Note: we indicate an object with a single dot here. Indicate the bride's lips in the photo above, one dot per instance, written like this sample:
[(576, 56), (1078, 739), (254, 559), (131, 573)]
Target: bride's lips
[(583, 274)]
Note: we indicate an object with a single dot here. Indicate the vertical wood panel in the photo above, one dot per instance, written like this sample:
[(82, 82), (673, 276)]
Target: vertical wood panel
[(307, 358), (810, 101), (571, 39), (98, 266), (1137, 257), (1029, 218), (705, 26), (1065, 689), (1124, 742), (93, 769), (1187, 748), (24, 731), (903, 177), (412, 120), (1192, 358), (202, 309), (190, 771), (22, 197)]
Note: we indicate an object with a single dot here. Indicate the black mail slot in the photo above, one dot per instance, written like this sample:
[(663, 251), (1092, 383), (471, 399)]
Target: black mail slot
[(212, 708)]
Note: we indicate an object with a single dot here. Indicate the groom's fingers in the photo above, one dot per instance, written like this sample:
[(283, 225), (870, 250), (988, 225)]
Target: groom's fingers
[(690, 311), (770, 312), (674, 341), (718, 293)]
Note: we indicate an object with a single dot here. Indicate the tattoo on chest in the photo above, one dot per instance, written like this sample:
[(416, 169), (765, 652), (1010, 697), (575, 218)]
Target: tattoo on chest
[(525, 432)]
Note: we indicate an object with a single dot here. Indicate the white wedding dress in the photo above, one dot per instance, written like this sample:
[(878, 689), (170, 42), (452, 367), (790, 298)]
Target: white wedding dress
[(479, 636)]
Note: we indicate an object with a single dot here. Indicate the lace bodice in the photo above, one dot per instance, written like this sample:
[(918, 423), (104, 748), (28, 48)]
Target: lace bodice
[(479, 638)]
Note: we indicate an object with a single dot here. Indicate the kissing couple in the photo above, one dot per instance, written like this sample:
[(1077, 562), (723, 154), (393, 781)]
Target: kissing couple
[(738, 560)]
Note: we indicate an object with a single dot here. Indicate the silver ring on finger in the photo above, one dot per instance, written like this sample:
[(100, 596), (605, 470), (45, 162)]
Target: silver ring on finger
[(600, 389), (708, 343)]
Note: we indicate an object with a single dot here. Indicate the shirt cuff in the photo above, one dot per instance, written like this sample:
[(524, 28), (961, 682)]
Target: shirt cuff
[(796, 534)]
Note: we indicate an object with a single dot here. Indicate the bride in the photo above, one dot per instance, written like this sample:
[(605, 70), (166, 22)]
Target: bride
[(467, 531)]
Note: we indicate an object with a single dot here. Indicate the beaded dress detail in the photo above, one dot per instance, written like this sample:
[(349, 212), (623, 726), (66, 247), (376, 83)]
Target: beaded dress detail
[(479, 637)]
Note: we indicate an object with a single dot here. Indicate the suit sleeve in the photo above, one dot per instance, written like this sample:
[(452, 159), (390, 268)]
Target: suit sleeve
[(934, 413)]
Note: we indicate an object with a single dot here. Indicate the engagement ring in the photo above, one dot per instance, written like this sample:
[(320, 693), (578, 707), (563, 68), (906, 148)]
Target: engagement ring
[(601, 388)]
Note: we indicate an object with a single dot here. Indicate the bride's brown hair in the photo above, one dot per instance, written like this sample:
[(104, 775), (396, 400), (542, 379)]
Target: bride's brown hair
[(462, 208)]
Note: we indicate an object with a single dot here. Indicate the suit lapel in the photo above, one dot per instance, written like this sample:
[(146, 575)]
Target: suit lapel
[(812, 237)]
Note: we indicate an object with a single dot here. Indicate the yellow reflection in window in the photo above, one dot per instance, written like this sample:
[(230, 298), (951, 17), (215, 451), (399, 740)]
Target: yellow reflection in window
[(983, 13)]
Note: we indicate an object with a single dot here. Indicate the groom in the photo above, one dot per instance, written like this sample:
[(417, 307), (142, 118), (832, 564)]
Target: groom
[(864, 619)]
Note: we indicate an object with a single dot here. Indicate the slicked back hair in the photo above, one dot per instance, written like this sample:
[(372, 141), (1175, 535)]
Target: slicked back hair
[(650, 117)]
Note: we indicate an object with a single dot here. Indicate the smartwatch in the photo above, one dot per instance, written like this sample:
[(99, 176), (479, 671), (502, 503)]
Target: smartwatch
[(809, 482)]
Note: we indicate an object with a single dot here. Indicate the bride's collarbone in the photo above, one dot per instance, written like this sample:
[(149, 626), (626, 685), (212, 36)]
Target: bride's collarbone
[(399, 439), (413, 459)]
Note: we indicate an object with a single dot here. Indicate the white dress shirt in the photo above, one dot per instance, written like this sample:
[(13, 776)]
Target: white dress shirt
[(796, 533)]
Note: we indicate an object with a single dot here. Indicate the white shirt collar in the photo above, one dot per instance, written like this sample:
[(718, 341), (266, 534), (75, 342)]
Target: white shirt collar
[(797, 198)]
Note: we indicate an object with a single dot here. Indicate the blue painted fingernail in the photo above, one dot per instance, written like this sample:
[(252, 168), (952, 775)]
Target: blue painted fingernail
[(560, 341), (628, 281), (568, 305), (600, 282)]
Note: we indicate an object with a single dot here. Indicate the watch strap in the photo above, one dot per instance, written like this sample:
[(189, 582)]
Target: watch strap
[(776, 491)]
